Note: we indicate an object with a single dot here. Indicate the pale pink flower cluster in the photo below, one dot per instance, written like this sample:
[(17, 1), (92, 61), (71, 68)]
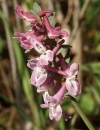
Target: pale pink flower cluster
[(45, 67)]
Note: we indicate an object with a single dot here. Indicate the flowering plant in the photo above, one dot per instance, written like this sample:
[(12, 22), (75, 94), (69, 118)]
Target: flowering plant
[(50, 69), (49, 65)]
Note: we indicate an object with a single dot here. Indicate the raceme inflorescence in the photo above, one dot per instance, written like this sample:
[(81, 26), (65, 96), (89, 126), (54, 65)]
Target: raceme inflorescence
[(49, 68)]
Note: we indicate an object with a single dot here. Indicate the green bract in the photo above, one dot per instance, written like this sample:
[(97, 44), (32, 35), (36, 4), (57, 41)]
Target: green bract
[(37, 8)]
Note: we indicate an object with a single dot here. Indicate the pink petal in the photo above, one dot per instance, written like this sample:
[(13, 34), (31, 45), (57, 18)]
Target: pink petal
[(51, 99), (74, 68), (43, 60), (49, 55), (76, 86), (58, 112), (55, 112), (41, 79), (26, 45), (70, 88), (33, 80), (37, 45), (38, 77), (44, 106), (51, 112), (45, 94), (33, 63)]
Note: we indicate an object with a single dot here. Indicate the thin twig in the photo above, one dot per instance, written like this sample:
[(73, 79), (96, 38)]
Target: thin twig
[(84, 8), (69, 14), (11, 119), (18, 24), (5, 111), (81, 15), (75, 21)]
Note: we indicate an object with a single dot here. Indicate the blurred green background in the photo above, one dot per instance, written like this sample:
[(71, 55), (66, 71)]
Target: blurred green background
[(19, 101)]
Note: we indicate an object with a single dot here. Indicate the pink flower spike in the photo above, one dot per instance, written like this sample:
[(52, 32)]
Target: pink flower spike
[(38, 76), (25, 15), (54, 32)]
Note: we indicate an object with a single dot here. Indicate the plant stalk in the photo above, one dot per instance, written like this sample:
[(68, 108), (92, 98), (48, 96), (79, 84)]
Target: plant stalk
[(83, 116)]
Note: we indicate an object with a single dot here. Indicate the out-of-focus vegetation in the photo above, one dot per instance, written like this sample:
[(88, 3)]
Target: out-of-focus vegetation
[(19, 101)]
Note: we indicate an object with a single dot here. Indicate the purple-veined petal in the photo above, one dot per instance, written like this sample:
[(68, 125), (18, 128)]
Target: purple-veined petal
[(44, 106), (41, 79), (55, 112), (58, 112), (33, 80), (37, 45), (54, 32), (74, 68), (49, 55), (38, 76), (76, 86), (51, 112), (26, 45), (43, 60), (33, 63), (45, 94), (70, 88), (51, 99), (25, 15)]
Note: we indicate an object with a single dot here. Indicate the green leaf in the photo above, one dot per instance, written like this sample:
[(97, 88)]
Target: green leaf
[(73, 120), (35, 14), (60, 51), (67, 60), (61, 124), (67, 57), (26, 51), (37, 8), (96, 94), (28, 27), (93, 67), (52, 20), (88, 105), (66, 46)]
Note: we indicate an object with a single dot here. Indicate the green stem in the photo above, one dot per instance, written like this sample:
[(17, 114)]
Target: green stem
[(83, 116)]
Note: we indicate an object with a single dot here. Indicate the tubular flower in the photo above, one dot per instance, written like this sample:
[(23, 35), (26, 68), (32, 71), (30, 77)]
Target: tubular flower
[(25, 15), (53, 103), (54, 32), (28, 39), (72, 83), (38, 77)]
